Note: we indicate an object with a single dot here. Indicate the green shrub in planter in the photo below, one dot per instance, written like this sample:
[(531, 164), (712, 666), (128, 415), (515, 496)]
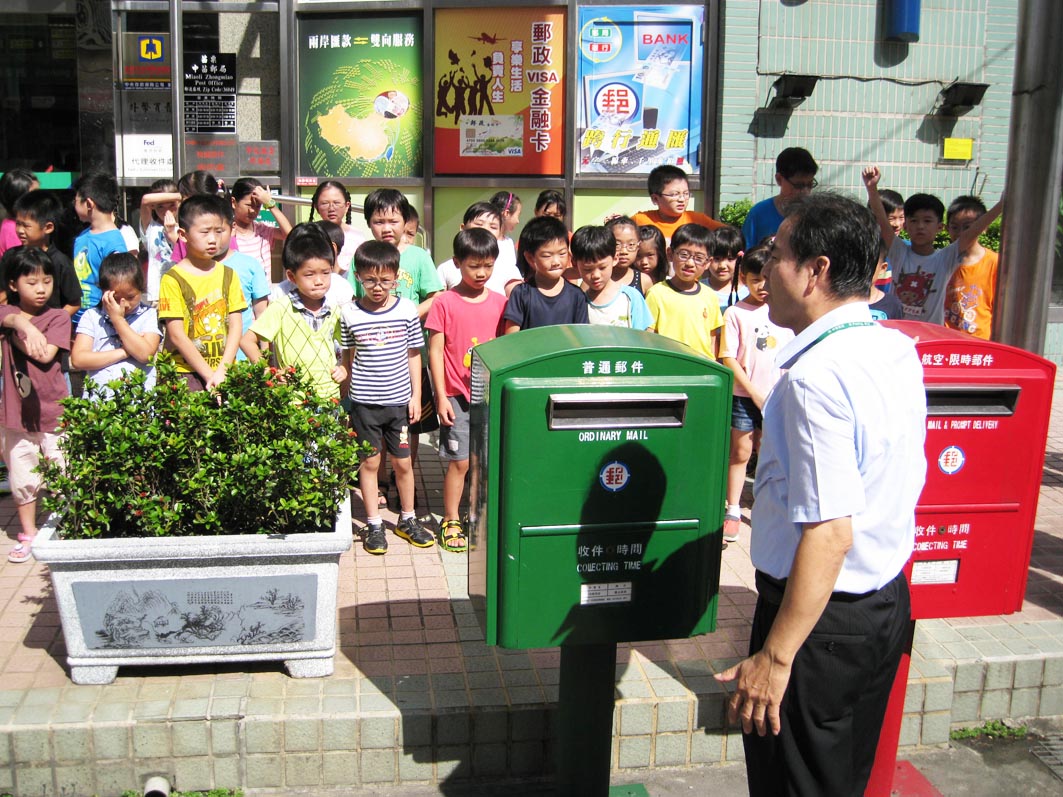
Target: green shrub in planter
[(264, 454)]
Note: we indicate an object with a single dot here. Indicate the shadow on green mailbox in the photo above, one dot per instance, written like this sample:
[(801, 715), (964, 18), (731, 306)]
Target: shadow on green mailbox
[(599, 466)]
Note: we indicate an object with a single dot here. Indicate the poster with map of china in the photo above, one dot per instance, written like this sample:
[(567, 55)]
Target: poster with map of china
[(499, 90), (360, 96)]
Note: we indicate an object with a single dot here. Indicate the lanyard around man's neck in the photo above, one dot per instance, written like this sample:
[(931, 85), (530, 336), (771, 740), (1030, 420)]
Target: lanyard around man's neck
[(827, 334)]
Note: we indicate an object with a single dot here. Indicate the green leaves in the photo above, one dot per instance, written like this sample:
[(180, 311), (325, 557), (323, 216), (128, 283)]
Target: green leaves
[(263, 455)]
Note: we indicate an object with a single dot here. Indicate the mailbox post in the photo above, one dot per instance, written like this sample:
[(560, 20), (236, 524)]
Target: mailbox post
[(599, 461), (988, 409)]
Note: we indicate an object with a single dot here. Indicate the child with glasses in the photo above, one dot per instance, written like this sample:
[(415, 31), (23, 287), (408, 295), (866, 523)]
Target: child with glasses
[(795, 174), (381, 337), (626, 233), (682, 308), (670, 192)]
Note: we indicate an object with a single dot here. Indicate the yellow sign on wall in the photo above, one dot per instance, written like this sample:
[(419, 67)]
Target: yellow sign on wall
[(958, 149)]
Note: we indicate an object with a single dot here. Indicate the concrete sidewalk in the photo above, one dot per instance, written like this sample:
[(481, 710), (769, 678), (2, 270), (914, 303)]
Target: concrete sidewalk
[(418, 698)]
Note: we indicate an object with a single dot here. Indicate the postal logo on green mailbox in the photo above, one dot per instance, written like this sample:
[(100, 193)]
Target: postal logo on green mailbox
[(614, 476)]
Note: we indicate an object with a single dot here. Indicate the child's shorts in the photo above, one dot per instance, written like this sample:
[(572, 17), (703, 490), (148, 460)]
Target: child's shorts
[(22, 451), (376, 424), (454, 440), (745, 415)]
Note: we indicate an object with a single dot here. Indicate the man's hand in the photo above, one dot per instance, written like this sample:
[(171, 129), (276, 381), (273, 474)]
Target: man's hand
[(758, 695)]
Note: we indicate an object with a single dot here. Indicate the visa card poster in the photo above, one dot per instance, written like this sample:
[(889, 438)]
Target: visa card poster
[(499, 98), (360, 96), (640, 83)]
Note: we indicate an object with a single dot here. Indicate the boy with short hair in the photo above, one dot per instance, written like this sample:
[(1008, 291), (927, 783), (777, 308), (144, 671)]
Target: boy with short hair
[(200, 300), (682, 308), (610, 303), (37, 216), (382, 341), (386, 212), (302, 327), (505, 275), (461, 318), (546, 298), (95, 201), (669, 191), (795, 174), (921, 272), (970, 294)]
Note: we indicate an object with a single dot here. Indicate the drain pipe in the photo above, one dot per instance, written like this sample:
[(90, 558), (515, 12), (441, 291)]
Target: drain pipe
[(157, 786)]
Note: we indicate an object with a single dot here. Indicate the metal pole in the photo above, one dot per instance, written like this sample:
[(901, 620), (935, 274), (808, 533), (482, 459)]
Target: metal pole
[(1032, 184), (177, 66), (585, 707)]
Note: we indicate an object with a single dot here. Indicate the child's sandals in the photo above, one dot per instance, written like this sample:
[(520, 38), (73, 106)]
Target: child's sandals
[(452, 536), (21, 552)]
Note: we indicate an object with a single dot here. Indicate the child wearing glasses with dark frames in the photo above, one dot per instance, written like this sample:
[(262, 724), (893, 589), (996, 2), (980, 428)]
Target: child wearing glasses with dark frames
[(682, 308), (33, 335), (669, 190), (795, 174), (382, 340)]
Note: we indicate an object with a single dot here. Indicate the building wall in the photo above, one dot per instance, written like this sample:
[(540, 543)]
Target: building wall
[(875, 99)]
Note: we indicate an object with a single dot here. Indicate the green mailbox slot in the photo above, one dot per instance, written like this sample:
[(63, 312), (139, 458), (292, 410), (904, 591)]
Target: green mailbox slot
[(599, 467)]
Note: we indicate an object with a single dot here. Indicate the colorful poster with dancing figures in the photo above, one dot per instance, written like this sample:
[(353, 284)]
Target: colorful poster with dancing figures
[(640, 88), (360, 96), (499, 98)]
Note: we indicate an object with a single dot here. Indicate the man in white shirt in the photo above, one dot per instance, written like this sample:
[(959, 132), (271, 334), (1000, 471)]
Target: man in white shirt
[(841, 468)]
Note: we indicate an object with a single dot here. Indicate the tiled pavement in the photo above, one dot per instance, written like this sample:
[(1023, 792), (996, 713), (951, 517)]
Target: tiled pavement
[(417, 697)]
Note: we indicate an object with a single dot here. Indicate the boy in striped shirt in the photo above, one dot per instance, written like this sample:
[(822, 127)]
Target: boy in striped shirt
[(381, 336)]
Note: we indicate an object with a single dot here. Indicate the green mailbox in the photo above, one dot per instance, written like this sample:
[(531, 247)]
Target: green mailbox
[(599, 464)]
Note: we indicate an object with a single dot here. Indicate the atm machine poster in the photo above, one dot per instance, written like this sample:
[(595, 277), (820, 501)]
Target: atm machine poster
[(360, 96), (640, 88), (499, 91)]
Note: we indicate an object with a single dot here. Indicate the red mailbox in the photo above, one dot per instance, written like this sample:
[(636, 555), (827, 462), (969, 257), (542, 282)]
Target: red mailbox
[(988, 408)]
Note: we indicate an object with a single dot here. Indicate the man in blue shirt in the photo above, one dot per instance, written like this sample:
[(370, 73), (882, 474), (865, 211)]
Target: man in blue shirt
[(795, 174)]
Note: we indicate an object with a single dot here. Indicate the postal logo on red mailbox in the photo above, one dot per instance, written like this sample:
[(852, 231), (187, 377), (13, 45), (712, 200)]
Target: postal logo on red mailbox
[(951, 460)]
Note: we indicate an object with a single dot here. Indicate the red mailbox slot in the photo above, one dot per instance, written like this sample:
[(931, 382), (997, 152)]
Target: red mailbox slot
[(988, 408)]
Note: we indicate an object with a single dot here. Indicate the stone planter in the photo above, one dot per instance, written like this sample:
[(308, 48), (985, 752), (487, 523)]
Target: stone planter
[(186, 600)]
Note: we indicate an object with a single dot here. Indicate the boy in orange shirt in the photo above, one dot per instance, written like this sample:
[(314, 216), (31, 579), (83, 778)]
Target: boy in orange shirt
[(670, 192), (971, 290)]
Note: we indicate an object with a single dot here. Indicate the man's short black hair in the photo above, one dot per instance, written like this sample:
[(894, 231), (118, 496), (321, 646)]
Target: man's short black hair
[(842, 230), (202, 205), (306, 241), (385, 199), (40, 206), (917, 202), (592, 243), (692, 235), (793, 161), (892, 201), (967, 203), (475, 242), (102, 189), (377, 256), (662, 176)]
